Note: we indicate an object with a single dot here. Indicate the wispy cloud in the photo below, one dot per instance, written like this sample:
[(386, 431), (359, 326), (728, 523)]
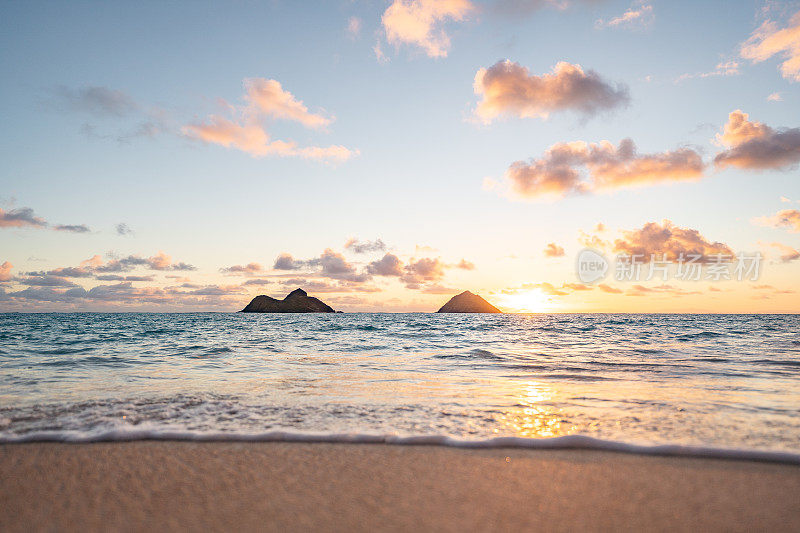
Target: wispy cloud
[(770, 39), (20, 218), (786, 218), (638, 16), (723, 68), (266, 99), (509, 89)]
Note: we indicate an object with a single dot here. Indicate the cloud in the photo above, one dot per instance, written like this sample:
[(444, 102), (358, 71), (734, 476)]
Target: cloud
[(266, 99), (160, 261), (638, 16), (786, 218), (774, 97), (123, 229), (5, 271), (771, 40), (724, 68), (419, 271), (560, 172), (248, 269), (553, 250), (335, 266), (465, 265), (756, 146), (73, 228), (286, 262), (72, 272), (666, 240), (20, 218), (100, 101), (609, 289), (116, 277), (787, 253), (419, 23), (509, 89), (388, 265), (364, 247), (354, 27)]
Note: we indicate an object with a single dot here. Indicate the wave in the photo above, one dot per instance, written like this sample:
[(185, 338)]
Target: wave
[(567, 442)]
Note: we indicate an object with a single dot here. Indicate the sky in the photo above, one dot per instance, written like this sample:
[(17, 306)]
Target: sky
[(387, 155)]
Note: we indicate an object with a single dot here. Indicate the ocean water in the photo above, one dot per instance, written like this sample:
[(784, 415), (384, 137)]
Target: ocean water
[(702, 381)]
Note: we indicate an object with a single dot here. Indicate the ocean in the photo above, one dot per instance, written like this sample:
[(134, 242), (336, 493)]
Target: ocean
[(681, 383)]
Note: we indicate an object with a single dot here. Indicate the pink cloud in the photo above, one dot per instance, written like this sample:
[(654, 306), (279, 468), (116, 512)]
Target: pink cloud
[(419, 23), (671, 242), (509, 89), (787, 218), (580, 167), (266, 99), (771, 40), (754, 145), (5, 271)]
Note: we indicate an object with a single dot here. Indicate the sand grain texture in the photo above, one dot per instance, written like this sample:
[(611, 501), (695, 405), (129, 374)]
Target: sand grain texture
[(156, 486)]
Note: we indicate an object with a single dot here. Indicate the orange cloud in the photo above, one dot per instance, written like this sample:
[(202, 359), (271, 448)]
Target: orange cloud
[(553, 250), (666, 240), (580, 167), (5, 271), (770, 40), (786, 253), (266, 99), (787, 218), (754, 145), (509, 89), (418, 22)]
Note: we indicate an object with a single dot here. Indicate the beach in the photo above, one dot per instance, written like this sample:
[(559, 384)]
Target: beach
[(179, 485)]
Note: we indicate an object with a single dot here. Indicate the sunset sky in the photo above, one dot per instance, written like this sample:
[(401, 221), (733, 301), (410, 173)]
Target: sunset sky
[(387, 155)]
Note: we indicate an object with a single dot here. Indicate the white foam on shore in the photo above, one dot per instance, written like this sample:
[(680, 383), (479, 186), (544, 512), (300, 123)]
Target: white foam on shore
[(568, 442)]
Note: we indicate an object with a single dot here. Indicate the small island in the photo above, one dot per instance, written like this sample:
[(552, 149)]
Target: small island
[(466, 302), (297, 301)]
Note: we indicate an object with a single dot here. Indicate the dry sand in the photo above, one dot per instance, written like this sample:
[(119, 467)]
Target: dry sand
[(155, 486)]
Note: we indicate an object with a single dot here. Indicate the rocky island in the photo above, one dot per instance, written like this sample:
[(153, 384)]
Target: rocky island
[(297, 301), (466, 302)]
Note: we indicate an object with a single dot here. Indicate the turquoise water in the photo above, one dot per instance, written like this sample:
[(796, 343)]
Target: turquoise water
[(729, 381)]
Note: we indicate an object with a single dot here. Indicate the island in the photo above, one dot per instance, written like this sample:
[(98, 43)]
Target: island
[(297, 301), (466, 302)]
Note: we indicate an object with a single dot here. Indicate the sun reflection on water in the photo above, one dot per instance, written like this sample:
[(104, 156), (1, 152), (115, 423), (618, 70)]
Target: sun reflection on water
[(532, 416)]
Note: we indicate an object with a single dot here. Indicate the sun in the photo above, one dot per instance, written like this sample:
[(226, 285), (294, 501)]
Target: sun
[(531, 301)]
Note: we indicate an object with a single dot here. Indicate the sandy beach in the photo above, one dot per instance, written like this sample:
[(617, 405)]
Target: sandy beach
[(151, 485)]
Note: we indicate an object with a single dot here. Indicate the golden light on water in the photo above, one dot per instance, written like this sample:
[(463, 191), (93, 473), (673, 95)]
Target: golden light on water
[(530, 301), (533, 417)]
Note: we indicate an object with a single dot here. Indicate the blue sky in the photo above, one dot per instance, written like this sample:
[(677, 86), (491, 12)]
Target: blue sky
[(422, 157)]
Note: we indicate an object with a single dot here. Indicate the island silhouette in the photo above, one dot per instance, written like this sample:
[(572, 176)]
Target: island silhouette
[(298, 301)]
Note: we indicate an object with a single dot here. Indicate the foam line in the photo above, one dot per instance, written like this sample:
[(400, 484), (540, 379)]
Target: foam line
[(574, 442)]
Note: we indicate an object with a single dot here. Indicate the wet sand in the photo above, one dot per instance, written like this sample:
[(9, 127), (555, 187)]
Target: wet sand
[(156, 486)]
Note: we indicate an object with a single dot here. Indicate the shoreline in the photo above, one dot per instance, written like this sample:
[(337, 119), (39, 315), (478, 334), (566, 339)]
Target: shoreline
[(139, 485), (575, 442)]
